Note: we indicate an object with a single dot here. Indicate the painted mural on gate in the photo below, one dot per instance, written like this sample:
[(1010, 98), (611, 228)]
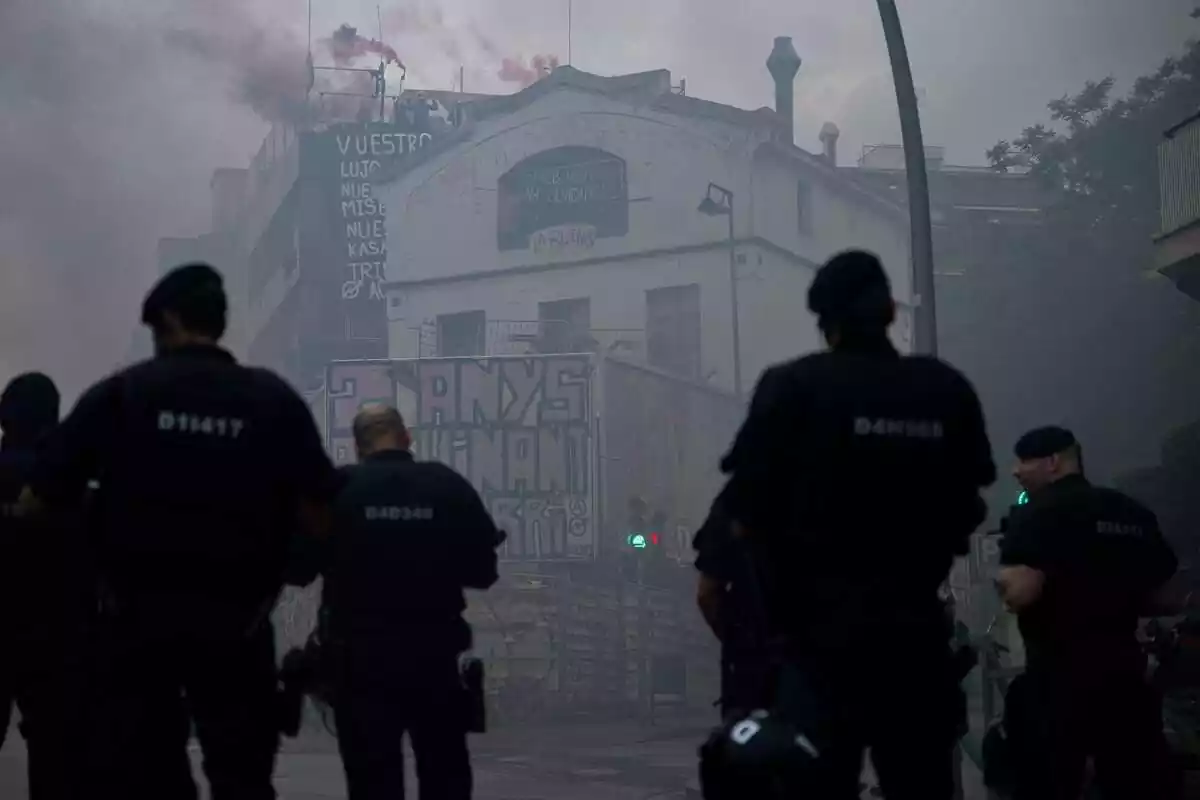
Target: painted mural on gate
[(521, 429)]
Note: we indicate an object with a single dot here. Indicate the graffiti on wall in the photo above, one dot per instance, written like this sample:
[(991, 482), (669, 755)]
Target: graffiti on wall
[(519, 428), (562, 198), (346, 218)]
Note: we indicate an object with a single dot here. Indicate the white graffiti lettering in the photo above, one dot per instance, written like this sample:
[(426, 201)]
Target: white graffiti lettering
[(563, 237), (366, 207), (362, 250), (359, 169), (365, 229), (519, 429), (382, 145)]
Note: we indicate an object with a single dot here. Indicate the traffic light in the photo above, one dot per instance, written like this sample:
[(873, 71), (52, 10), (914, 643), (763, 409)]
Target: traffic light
[(642, 533), (643, 541), (1022, 498)]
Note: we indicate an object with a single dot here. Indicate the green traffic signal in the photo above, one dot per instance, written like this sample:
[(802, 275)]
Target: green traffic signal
[(1022, 498), (642, 541)]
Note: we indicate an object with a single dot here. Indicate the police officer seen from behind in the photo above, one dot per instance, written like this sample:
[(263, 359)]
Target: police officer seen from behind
[(47, 599), (1080, 564), (207, 469), (856, 477), (409, 537)]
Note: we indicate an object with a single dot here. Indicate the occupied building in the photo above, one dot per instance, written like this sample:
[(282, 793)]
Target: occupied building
[(590, 213), (296, 244)]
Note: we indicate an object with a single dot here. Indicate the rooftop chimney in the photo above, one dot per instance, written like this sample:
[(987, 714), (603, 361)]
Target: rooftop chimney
[(783, 64), (829, 141)]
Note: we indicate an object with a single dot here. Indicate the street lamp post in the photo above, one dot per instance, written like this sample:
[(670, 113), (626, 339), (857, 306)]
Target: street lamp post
[(724, 207), (921, 225), (925, 312)]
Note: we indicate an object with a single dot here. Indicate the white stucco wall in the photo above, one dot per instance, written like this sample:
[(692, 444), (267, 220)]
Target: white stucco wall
[(442, 225), (617, 291), (442, 216), (839, 217)]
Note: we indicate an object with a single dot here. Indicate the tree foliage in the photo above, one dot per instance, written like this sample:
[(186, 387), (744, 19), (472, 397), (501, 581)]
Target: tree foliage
[(1098, 154), (1103, 347)]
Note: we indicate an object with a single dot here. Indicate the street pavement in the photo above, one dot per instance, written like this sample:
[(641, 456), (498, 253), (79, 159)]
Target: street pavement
[(578, 761)]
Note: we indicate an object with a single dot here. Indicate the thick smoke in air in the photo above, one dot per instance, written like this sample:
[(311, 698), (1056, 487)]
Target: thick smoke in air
[(346, 45), (111, 129), (268, 70), (514, 70)]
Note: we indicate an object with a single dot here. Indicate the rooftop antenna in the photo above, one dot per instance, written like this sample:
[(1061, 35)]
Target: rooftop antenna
[(382, 69), (570, 31), (311, 72)]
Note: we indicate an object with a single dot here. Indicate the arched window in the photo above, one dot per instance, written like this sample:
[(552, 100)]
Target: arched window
[(567, 195)]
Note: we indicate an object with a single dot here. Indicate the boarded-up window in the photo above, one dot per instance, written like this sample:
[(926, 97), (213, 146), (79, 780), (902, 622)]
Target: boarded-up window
[(673, 329), (804, 207), (565, 325), (462, 334)]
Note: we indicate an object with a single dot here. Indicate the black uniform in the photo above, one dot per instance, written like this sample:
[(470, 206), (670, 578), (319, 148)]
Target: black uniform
[(409, 538), (744, 639), (857, 472), (203, 465), (1084, 692), (47, 600)]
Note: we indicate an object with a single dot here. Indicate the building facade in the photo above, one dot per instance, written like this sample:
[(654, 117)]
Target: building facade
[(565, 218), (1177, 247)]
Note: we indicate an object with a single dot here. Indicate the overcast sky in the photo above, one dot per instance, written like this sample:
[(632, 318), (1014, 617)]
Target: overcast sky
[(111, 129), (987, 67)]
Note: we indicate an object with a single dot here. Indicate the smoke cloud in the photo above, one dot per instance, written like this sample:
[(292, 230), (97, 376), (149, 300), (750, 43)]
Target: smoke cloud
[(513, 70), (111, 129), (346, 46)]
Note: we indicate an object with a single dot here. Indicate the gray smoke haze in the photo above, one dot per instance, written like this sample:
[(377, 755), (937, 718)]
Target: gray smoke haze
[(114, 115), (110, 132)]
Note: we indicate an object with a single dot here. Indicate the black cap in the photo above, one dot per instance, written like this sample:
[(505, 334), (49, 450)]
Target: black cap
[(1044, 442), (195, 292), (29, 405), (851, 287)]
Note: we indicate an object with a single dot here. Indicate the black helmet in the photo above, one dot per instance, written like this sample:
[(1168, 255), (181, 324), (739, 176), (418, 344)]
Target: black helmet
[(29, 406), (760, 755)]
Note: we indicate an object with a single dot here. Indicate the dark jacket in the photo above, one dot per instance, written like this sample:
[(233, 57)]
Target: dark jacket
[(1103, 556), (858, 473), (203, 465), (409, 537)]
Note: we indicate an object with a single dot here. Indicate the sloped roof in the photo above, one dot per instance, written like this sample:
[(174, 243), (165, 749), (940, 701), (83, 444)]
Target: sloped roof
[(835, 178), (951, 188), (650, 89)]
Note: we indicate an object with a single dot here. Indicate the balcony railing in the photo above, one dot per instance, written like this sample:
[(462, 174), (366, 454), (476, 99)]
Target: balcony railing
[(1179, 176), (503, 337)]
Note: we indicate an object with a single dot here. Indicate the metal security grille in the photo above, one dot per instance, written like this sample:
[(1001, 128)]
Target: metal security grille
[(1179, 177)]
